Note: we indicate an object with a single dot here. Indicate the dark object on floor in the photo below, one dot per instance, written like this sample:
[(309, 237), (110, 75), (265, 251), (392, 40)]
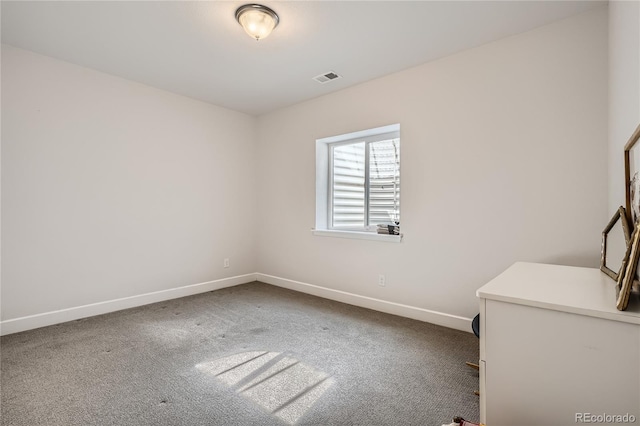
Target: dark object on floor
[(463, 422), (475, 325)]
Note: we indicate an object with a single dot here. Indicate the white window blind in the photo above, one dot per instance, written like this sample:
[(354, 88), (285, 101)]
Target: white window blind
[(365, 182), (384, 181)]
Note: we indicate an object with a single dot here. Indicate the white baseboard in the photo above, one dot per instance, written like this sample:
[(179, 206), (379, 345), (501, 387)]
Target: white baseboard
[(55, 317), (420, 314)]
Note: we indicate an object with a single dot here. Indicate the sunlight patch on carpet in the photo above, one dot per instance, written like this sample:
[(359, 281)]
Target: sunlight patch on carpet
[(278, 382)]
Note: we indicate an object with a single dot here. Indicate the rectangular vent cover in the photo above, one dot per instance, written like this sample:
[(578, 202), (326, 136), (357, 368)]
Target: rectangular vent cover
[(326, 77)]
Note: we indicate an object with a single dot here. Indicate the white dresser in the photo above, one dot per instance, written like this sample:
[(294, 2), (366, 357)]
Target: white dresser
[(554, 350)]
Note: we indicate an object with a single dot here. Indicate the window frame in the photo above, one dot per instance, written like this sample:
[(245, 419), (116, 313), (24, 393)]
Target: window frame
[(324, 182)]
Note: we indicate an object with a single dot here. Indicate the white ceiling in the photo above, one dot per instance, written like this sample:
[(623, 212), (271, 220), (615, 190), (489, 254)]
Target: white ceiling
[(197, 49)]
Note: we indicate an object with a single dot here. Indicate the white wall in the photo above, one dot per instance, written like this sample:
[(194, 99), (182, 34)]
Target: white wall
[(503, 159), (624, 90), (112, 189)]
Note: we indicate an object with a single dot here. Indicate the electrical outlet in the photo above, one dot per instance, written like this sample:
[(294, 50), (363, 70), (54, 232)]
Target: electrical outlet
[(226, 262), (381, 280)]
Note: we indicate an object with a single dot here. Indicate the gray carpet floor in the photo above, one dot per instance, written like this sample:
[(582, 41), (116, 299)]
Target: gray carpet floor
[(253, 354)]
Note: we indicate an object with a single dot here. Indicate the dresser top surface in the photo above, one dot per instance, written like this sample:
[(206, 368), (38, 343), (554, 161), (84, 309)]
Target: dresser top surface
[(584, 291)]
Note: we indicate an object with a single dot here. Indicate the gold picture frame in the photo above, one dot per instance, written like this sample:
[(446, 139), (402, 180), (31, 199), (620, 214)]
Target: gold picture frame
[(628, 270), (619, 216), (628, 178), (628, 277)]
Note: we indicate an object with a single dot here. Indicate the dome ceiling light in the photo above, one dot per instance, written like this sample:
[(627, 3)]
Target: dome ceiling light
[(257, 20)]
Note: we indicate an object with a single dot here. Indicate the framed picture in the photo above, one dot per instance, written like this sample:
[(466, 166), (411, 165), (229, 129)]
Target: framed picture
[(629, 268), (632, 179), (619, 219)]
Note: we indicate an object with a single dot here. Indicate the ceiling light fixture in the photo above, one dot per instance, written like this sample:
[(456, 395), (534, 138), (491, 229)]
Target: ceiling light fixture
[(257, 20)]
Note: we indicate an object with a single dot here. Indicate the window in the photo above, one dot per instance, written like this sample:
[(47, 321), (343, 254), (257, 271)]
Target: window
[(358, 180)]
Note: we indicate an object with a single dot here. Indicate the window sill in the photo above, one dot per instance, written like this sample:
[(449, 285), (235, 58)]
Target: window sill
[(357, 235)]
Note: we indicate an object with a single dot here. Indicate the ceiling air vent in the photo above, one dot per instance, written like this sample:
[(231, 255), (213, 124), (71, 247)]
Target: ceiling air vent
[(326, 77)]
